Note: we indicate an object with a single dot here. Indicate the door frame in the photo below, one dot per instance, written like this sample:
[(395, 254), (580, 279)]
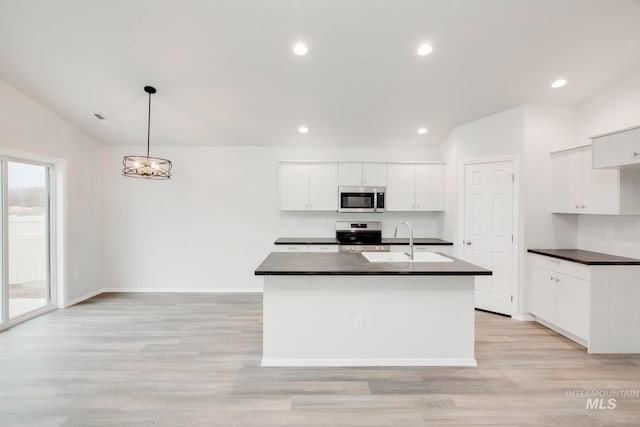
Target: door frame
[(516, 223), (57, 249)]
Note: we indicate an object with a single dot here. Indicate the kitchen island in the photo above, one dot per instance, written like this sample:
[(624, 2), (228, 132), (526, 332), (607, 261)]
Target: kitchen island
[(338, 309)]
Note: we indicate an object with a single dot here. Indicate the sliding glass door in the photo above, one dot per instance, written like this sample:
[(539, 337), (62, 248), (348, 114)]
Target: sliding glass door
[(26, 239)]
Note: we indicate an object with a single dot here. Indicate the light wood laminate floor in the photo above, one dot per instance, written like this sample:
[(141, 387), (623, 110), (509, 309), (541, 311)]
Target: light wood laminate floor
[(194, 359)]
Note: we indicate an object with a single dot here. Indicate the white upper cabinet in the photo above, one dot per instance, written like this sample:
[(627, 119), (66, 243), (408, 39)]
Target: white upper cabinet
[(620, 149), (374, 174), (294, 186), (350, 174), (401, 187), (309, 186), (579, 188), (323, 186), (415, 187), (362, 174), (430, 187)]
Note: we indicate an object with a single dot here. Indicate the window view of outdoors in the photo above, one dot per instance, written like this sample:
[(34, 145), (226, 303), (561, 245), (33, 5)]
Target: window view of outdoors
[(28, 238)]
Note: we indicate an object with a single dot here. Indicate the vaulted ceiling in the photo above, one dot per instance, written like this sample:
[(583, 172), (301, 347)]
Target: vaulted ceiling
[(226, 74)]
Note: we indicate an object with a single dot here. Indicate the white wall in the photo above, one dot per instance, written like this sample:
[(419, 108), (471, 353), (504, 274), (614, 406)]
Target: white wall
[(546, 129), (529, 133), (612, 108), (28, 127), (494, 136), (211, 225)]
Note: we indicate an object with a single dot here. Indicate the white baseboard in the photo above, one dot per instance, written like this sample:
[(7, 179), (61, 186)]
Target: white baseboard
[(159, 291), (524, 317), (184, 290), (365, 362), (562, 332), (83, 297)]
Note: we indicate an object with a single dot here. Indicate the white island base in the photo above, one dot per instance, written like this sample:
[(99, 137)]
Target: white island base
[(368, 320)]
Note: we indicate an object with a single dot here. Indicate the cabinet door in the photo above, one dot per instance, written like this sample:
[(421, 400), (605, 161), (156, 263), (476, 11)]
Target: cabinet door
[(294, 186), (323, 186), (429, 188), (618, 149), (543, 294), (566, 179), (401, 187), (572, 305), (374, 174), (350, 174), (600, 188)]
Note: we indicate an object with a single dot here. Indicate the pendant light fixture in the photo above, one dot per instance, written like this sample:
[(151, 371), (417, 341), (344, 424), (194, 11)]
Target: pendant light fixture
[(147, 167)]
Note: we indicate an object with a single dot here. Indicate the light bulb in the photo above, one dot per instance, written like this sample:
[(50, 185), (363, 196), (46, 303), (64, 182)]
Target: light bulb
[(300, 49)]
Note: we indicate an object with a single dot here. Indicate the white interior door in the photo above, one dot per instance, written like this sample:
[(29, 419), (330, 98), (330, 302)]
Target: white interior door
[(488, 231)]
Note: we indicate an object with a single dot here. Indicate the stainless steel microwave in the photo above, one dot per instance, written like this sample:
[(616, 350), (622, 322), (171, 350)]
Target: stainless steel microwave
[(361, 199)]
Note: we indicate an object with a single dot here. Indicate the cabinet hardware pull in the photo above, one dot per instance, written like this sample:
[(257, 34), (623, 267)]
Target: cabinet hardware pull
[(467, 242), (582, 206), (636, 154), (554, 261)]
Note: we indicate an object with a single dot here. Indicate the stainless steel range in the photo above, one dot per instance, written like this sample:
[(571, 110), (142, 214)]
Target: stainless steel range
[(360, 236)]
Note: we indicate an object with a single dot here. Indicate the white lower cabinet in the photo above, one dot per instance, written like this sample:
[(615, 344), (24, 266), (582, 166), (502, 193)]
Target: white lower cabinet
[(322, 248), (594, 305), (561, 300), (291, 248), (306, 248)]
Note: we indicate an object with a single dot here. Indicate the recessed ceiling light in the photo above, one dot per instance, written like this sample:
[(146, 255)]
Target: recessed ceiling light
[(558, 83), (422, 131), (303, 129), (425, 49), (300, 49)]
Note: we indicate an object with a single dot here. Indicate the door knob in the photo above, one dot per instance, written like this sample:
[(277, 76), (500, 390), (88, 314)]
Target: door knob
[(467, 242)]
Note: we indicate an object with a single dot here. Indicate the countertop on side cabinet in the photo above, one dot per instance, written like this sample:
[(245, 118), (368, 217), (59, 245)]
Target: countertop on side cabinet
[(306, 241), (350, 264), (333, 241), (585, 257), (416, 241)]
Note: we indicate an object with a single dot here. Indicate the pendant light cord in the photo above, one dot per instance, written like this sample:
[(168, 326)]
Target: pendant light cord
[(149, 125)]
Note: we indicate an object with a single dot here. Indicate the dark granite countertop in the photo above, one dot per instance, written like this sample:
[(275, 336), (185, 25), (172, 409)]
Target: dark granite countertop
[(416, 241), (350, 264), (586, 257), (306, 241), (333, 241)]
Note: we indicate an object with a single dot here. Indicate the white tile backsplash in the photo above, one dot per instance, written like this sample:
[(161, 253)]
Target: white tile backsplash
[(616, 235), (323, 224)]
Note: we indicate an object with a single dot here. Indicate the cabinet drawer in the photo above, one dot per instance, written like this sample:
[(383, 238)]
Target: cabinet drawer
[(291, 248), (561, 266), (323, 248)]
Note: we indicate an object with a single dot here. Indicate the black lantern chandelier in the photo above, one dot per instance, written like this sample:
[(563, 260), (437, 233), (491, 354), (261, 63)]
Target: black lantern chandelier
[(146, 167)]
